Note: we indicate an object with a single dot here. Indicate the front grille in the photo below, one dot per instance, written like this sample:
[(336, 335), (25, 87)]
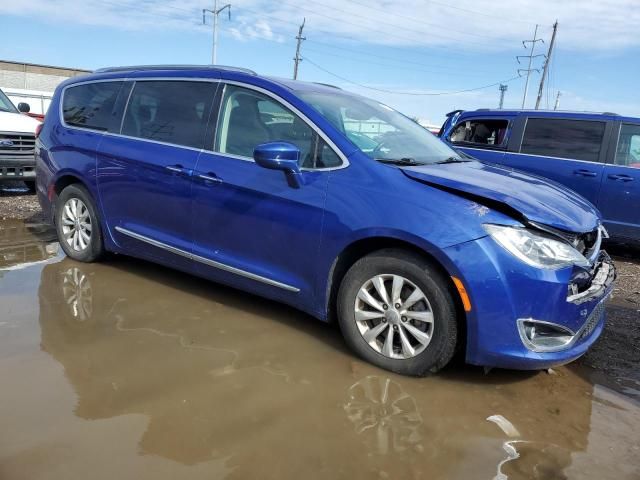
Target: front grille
[(592, 321), (17, 144)]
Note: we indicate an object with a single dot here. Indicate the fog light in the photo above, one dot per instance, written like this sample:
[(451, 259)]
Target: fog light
[(542, 336)]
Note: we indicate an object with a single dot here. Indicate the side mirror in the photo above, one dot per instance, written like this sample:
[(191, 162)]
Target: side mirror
[(280, 156), (24, 107)]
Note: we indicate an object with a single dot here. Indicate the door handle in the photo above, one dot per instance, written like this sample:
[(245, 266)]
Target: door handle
[(179, 169), (585, 173), (209, 177), (621, 177)]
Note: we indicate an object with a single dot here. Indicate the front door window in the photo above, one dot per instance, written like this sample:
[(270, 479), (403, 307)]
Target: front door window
[(628, 151), (249, 118)]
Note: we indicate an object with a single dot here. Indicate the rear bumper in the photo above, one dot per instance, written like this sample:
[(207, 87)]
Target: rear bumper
[(17, 168), (505, 292)]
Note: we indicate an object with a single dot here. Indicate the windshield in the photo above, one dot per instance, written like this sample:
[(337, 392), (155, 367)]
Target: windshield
[(379, 131), (6, 105)]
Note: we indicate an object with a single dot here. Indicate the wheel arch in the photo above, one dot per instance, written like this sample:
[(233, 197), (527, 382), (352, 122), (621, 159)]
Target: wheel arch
[(365, 246), (63, 181)]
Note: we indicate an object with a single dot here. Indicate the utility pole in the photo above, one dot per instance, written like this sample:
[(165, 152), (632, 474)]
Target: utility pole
[(531, 56), (545, 70), (503, 88), (215, 12), (297, 59), (555, 107)]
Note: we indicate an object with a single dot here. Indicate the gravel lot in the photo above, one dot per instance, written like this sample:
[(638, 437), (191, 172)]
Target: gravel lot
[(16, 202), (613, 360)]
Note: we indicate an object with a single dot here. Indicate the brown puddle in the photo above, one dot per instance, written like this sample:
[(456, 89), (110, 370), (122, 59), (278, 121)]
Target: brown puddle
[(128, 370)]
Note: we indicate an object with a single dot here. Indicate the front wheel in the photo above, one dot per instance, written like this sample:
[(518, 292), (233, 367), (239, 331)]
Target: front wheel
[(77, 225), (396, 311)]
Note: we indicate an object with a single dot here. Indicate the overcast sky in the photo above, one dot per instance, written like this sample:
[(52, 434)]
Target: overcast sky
[(392, 50)]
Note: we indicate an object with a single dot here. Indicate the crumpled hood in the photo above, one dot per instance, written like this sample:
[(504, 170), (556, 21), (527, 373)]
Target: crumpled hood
[(536, 199)]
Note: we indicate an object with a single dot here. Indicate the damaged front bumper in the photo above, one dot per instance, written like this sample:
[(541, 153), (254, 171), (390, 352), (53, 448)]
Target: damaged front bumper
[(602, 276), (527, 318)]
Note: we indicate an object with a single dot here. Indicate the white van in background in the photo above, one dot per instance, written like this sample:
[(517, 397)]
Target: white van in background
[(17, 143)]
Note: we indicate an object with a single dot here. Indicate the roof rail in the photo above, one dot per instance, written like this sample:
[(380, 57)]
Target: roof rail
[(327, 85), (542, 110), (175, 67)]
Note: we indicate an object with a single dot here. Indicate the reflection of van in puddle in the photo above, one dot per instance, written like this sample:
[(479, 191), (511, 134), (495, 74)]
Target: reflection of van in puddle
[(22, 244), (223, 379)]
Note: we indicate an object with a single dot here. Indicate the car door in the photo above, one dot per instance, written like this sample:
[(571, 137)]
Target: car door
[(567, 150), (619, 199), (484, 138), (144, 172), (252, 228)]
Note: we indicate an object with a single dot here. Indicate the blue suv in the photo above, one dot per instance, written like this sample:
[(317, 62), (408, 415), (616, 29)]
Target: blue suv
[(597, 155), (330, 202)]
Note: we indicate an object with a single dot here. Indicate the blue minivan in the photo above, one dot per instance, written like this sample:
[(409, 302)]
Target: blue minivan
[(330, 202), (594, 154)]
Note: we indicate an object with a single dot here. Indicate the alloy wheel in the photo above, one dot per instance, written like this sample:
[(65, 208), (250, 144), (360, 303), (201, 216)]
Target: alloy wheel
[(394, 316), (76, 224)]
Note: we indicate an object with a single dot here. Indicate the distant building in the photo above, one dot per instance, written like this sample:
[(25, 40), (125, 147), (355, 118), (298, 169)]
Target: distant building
[(33, 84)]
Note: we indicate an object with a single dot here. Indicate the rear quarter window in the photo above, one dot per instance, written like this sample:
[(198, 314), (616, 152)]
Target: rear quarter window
[(90, 105), (174, 112), (571, 139)]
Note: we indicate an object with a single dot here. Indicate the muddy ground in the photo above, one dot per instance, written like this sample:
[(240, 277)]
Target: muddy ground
[(124, 369)]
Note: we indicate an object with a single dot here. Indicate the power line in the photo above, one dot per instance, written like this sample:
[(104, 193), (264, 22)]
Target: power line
[(297, 59), (214, 13), (400, 67), (401, 27), (332, 34), (482, 14), (341, 20), (421, 94), (401, 61), (557, 104), (503, 89), (420, 21), (531, 56), (545, 69)]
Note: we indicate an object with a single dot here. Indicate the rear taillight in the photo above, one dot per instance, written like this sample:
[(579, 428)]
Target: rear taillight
[(39, 129)]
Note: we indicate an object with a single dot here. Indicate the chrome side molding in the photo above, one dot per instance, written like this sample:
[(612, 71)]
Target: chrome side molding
[(206, 261)]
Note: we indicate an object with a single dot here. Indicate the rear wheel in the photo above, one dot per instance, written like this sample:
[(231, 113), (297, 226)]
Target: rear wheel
[(395, 310), (77, 225)]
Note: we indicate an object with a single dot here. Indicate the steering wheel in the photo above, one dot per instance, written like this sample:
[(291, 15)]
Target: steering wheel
[(377, 149)]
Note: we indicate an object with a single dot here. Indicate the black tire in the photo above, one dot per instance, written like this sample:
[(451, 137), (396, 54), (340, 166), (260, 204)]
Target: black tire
[(31, 185), (433, 284), (95, 247)]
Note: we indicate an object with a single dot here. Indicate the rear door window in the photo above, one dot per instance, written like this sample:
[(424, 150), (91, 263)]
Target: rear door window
[(173, 112), (628, 151), (91, 105), (571, 139), (480, 132)]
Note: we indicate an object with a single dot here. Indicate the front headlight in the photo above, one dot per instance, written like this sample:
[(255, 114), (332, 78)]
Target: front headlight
[(535, 249)]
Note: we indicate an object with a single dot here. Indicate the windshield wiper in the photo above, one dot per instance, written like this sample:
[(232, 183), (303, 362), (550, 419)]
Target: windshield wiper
[(452, 160), (398, 161)]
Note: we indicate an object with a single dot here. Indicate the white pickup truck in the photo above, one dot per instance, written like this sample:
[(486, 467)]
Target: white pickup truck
[(17, 143)]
